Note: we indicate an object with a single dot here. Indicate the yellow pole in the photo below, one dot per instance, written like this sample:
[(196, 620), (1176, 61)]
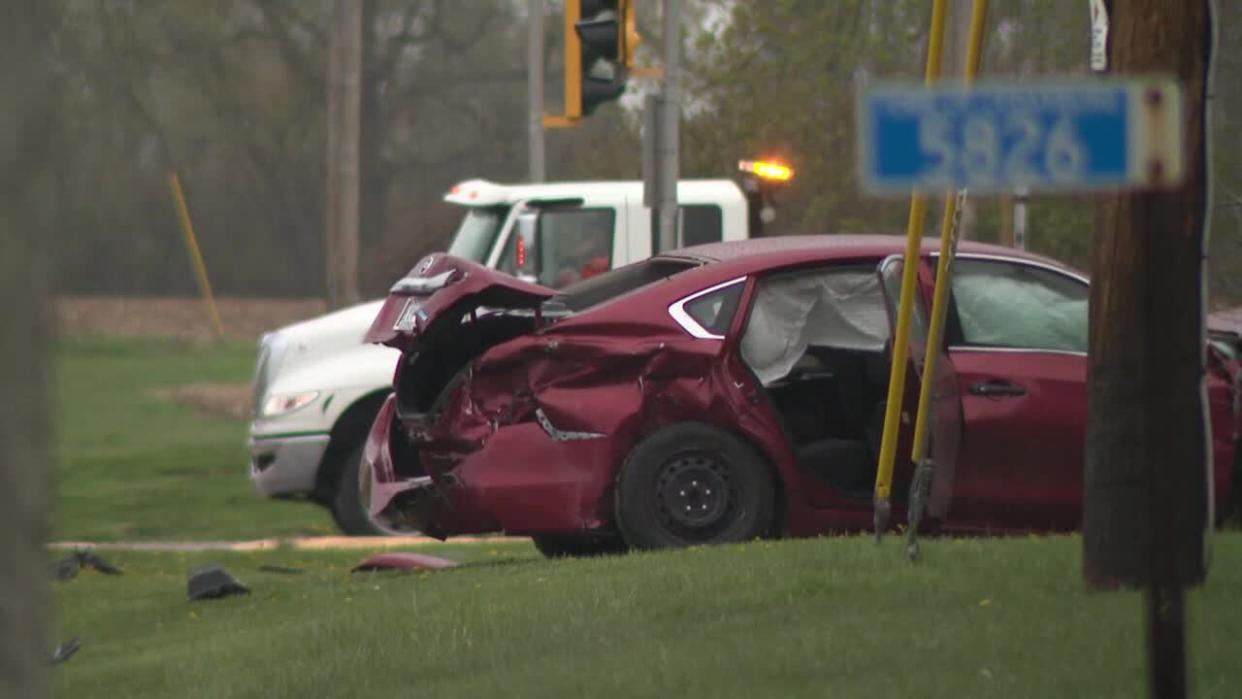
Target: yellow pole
[(196, 257), (909, 278), (949, 229), (948, 248)]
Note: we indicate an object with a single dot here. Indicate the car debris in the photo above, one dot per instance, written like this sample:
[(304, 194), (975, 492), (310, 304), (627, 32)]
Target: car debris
[(68, 567), (65, 651), (397, 560), (214, 582)]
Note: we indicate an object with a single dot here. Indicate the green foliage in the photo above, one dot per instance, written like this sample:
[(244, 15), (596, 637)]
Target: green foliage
[(781, 76), (838, 617), (231, 93)]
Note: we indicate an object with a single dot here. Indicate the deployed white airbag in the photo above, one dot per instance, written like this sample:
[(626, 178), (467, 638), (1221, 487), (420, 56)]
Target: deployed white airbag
[(824, 308)]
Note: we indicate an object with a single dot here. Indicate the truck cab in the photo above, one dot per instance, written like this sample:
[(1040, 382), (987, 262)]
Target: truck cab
[(541, 231), (318, 386)]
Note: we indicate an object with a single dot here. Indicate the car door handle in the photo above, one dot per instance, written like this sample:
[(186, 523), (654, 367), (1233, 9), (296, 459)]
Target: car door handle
[(994, 389)]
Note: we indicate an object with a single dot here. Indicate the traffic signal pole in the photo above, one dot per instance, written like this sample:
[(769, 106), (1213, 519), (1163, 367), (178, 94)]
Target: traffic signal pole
[(668, 143), (534, 92)]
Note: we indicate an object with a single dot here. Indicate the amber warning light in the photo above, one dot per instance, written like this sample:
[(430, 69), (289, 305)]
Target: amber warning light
[(766, 170)]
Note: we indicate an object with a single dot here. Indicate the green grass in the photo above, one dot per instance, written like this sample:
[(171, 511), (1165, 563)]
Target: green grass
[(134, 466), (814, 618)]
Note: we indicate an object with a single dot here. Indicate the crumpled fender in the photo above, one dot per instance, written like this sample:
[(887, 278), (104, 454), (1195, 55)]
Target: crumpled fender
[(535, 434)]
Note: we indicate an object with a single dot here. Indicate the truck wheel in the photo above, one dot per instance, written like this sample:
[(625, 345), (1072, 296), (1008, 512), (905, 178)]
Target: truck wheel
[(694, 484), (578, 545), (347, 509)]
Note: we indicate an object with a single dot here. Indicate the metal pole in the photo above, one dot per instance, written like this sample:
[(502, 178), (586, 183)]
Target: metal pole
[(670, 122), (196, 256), (1019, 217), (909, 280), (534, 91), (950, 232)]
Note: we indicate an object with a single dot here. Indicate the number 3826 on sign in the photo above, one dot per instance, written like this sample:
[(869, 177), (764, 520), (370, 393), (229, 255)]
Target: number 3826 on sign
[(1061, 136)]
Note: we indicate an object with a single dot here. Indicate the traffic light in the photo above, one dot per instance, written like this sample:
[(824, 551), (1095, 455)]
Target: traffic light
[(600, 38)]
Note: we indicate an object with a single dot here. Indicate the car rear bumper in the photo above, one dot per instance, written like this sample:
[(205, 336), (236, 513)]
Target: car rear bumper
[(286, 465)]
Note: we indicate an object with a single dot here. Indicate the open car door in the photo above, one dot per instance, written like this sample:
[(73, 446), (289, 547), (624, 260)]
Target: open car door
[(946, 418)]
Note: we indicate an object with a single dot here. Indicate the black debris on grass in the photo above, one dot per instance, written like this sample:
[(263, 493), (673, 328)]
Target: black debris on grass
[(213, 582), (65, 650)]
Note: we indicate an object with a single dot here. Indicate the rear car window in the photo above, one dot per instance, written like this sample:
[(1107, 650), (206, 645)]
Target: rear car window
[(610, 285)]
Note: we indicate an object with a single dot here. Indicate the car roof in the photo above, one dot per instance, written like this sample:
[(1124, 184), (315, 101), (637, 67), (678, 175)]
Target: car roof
[(754, 254)]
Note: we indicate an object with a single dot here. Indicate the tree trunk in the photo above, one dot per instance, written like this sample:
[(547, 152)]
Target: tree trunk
[(24, 421)]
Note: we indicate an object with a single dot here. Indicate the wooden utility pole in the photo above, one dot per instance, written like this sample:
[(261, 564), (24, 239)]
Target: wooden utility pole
[(332, 167), (344, 133), (25, 456), (1146, 512)]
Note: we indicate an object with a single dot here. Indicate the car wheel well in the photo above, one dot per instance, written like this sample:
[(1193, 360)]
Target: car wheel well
[(349, 429)]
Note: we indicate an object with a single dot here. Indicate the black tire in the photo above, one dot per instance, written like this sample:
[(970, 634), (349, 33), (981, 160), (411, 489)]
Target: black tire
[(346, 505), (579, 545), (694, 484)]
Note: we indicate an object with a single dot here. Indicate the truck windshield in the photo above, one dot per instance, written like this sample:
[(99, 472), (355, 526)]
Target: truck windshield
[(477, 233)]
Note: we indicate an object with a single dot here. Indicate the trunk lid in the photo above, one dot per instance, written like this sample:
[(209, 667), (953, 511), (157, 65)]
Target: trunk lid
[(439, 292)]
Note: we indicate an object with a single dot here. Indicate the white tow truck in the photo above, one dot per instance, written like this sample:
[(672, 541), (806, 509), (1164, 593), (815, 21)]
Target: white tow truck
[(318, 387)]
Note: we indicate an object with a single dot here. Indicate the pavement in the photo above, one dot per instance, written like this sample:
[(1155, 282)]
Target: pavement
[(309, 543)]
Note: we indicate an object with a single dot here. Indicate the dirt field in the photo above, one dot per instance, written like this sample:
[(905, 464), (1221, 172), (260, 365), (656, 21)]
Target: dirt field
[(130, 316)]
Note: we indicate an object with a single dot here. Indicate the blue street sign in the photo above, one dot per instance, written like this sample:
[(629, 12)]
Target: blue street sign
[(1064, 136)]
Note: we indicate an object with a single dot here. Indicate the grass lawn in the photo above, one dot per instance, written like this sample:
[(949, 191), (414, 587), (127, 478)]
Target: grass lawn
[(815, 618), (136, 466)]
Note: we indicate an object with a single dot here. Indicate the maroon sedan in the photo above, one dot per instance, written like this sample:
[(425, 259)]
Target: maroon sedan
[(732, 391)]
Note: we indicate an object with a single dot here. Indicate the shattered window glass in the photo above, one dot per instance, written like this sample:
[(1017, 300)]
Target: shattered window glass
[(714, 311), (840, 307), (1006, 304)]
